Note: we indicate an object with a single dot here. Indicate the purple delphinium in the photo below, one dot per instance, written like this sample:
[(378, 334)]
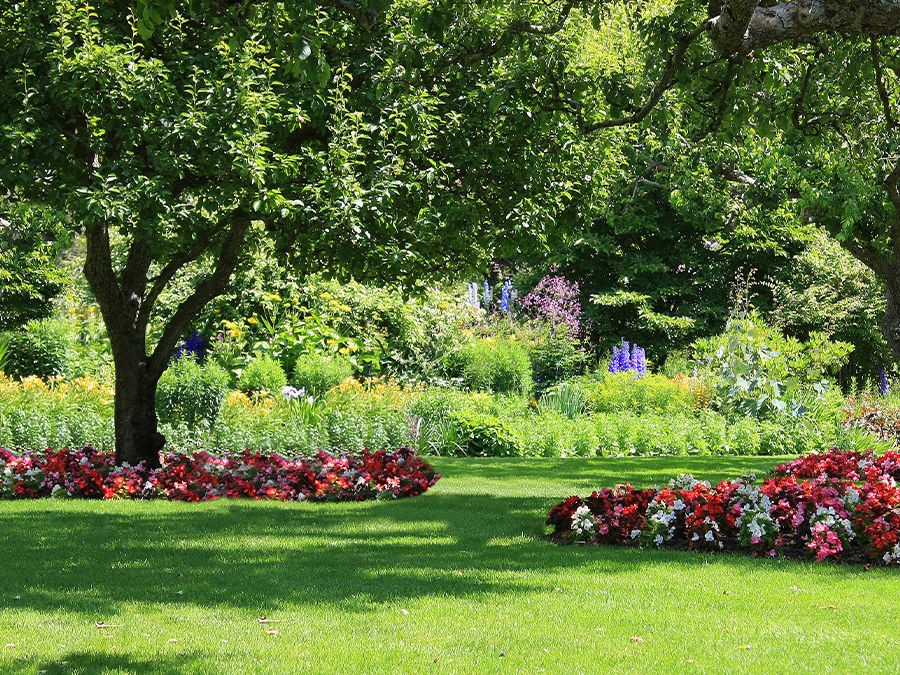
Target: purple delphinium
[(555, 300), (639, 360), (626, 357), (487, 296), (883, 385)]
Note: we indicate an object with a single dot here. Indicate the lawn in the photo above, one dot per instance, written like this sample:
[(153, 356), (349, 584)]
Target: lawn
[(457, 580)]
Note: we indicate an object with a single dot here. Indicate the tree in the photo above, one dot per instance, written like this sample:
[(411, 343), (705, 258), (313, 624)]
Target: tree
[(169, 131), (792, 104)]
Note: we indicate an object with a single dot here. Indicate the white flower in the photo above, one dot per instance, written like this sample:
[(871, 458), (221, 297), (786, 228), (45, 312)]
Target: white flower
[(635, 534), (658, 540), (710, 536)]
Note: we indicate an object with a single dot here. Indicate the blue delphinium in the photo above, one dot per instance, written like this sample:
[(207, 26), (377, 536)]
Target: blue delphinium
[(883, 385), (473, 295), (638, 360), (506, 296), (195, 346), (626, 357)]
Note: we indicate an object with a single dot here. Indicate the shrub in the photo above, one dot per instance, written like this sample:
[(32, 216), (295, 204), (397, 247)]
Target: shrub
[(36, 414), (41, 348), (190, 393), (262, 374), (609, 392), (318, 373), (484, 435), (498, 366), (555, 356), (760, 372), (551, 434)]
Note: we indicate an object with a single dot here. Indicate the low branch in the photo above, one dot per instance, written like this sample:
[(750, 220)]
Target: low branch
[(211, 287), (168, 272), (662, 85)]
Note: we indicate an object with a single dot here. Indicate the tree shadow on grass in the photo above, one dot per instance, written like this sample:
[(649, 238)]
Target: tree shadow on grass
[(264, 556), (94, 663)]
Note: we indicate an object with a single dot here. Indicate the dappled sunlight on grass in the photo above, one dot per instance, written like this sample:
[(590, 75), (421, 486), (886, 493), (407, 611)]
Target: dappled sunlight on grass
[(465, 562)]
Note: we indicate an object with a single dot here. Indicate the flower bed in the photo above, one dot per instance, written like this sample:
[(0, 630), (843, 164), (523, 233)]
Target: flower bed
[(836, 505), (202, 477)]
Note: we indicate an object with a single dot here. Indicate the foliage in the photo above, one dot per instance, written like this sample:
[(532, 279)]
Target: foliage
[(318, 373), (482, 434), (610, 392), (41, 348), (832, 518), (565, 398), (191, 393), (262, 374), (498, 366), (37, 414), (759, 372), (554, 354), (829, 291), (203, 477), (32, 239)]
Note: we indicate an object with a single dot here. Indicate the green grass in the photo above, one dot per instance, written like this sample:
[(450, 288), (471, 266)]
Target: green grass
[(457, 580)]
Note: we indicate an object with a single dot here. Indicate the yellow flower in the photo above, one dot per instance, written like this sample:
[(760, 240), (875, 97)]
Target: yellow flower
[(252, 320)]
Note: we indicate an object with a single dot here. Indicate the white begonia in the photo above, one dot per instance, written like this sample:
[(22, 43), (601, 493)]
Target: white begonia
[(582, 521), (635, 534), (851, 497), (710, 536), (658, 540)]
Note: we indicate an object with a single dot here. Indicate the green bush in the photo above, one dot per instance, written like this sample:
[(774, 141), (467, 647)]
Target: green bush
[(551, 434), (484, 435), (263, 373), (498, 366), (191, 394), (759, 372), (318, 373), (612, 392), (555, 356), (41, 348)]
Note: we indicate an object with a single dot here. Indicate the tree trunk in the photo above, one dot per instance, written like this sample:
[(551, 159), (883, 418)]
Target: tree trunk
[(137, 434), (890, 325)]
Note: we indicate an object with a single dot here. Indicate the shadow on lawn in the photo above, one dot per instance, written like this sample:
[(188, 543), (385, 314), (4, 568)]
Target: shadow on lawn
[(263, 556), (97, 662)]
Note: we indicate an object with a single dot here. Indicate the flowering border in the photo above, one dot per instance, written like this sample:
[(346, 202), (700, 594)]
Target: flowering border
[(841, 506), (202, 477)]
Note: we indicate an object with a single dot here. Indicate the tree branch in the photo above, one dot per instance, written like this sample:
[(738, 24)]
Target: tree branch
[(879, 82), (165, 275), (767, 26), (662, 85), (208, 289)]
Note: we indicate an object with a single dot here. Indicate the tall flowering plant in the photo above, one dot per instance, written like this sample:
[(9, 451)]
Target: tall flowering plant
[(555, 300), (625, 357)]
